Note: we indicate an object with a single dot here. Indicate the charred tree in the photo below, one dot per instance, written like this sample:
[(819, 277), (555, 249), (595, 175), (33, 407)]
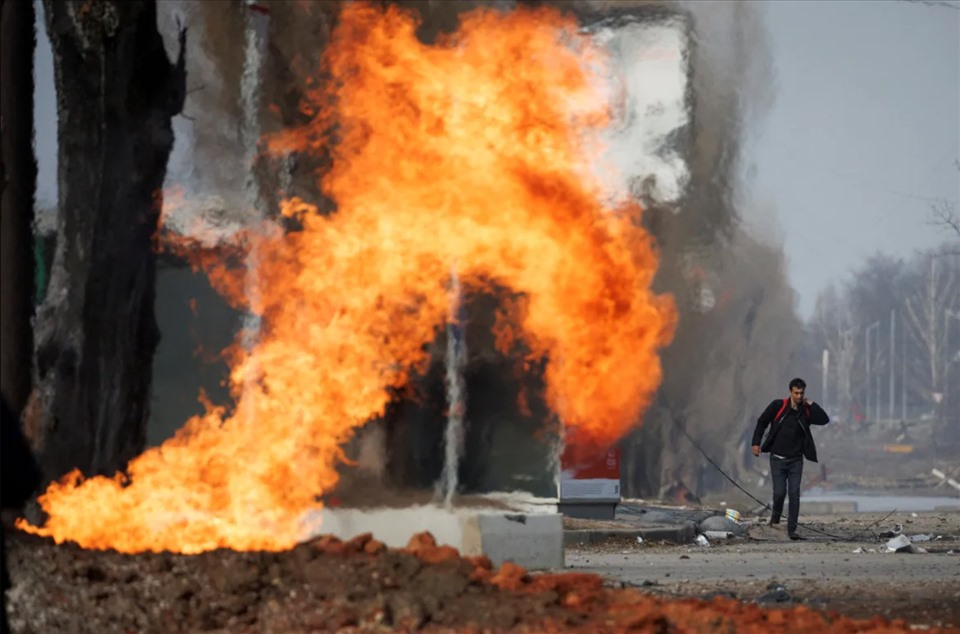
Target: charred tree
[(18, 175), (96, 332)]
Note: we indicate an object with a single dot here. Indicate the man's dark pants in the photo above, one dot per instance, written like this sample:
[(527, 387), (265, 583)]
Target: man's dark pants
[(786, 474)]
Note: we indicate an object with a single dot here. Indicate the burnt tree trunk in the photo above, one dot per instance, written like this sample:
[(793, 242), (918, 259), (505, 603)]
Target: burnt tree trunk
[(18, 176), (96, 333)]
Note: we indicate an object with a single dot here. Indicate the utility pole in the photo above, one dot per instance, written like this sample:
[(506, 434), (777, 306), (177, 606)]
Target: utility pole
[(893, 330), (951, 356), (903, 373), (826, 371), (876, 400), (869, 377)]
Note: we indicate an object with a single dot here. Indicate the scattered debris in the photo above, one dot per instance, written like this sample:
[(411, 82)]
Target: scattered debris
[(920, 538), (720, 523), (702, 541), (717, 534), (857, 551), (943, 478), (726, 594), (777, 594), (892, 533), (900, 543)]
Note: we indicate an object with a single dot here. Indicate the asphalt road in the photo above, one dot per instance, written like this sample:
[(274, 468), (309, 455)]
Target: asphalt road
[(779, 562), (923, 589)]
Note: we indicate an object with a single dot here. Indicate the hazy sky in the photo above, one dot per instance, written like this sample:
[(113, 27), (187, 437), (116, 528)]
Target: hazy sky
[(866, 120), (864, 127)]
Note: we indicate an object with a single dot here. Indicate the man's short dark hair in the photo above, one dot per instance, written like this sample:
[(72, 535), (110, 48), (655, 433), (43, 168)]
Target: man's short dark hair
[(798, 383)]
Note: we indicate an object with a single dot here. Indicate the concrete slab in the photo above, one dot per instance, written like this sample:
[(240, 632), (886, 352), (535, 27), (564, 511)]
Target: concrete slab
[(531, 540)]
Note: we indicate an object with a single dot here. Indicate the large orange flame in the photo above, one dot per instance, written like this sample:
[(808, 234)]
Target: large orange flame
[(476, 154)]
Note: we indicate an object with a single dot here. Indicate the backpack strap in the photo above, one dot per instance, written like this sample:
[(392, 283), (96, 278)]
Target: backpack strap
[(783, 408)]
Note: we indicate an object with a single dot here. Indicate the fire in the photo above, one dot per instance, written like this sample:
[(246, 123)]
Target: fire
[(477, 153)]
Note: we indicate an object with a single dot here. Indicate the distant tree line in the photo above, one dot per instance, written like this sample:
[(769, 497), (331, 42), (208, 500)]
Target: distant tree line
[(890, 334)]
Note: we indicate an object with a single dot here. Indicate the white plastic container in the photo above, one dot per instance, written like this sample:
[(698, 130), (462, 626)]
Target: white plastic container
[(718, 534)]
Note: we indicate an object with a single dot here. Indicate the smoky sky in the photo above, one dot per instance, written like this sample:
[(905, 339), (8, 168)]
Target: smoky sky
[(863, 134)]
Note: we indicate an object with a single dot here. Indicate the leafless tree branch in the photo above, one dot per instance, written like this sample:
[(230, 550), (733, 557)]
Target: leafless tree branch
[(944, 214)]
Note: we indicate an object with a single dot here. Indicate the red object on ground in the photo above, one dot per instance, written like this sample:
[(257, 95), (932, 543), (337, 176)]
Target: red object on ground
[(590, 479)]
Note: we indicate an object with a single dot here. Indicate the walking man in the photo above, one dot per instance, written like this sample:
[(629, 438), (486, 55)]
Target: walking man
[(788, 442)]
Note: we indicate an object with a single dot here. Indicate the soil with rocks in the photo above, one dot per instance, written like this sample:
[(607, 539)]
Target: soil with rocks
[(327, 585)]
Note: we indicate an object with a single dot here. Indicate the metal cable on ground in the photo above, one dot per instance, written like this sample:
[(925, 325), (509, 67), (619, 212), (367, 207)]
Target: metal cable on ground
[(737, 484)]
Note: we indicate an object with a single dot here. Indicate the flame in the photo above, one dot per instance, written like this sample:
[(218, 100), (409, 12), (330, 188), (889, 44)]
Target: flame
[(478, 153)]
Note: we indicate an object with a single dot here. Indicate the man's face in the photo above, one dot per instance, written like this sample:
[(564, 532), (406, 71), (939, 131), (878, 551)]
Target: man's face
[(796, 395)]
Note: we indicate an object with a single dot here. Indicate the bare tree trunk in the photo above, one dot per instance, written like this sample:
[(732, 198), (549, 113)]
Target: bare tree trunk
[(18, 176), (96, 332)]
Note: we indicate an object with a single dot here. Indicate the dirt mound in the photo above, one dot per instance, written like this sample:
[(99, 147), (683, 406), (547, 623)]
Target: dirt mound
[(327, 585)]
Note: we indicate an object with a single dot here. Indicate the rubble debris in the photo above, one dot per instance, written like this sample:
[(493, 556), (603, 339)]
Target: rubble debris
[(897, 529), (776, 594), (898, 543), (944, 479), (702, 541), (726, 594), (902, 544), (717, 534), (721, 524)]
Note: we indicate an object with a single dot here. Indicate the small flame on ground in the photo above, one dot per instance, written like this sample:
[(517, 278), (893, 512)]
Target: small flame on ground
[(476, 151)]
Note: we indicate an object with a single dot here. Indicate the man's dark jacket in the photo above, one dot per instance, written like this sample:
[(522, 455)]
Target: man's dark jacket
[(811, 414)]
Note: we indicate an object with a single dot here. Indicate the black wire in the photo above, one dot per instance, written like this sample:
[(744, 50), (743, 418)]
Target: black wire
[(752, 496)]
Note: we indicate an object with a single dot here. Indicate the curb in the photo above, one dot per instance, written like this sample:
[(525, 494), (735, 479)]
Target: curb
[(682, 534)]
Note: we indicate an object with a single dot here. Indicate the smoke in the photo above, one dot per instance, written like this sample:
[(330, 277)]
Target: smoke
[(649, 57), (207, 162), (738, 331)]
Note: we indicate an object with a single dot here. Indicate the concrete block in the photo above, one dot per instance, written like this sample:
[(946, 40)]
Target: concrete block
[(531, 540)]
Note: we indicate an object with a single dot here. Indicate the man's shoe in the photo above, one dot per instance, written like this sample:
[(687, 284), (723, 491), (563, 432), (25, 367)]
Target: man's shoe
[(795, 537), (773, 521)]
